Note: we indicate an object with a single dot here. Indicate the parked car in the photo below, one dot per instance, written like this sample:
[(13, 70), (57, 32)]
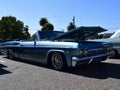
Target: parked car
[(67, 50), (115, 40)]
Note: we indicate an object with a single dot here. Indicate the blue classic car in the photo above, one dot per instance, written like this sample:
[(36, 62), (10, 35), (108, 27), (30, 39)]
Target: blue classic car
[(67, 50)]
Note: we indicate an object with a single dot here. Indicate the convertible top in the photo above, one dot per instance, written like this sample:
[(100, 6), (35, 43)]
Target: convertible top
[(81, 32)]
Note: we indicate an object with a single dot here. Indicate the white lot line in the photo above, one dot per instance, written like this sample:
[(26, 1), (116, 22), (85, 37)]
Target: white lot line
[(2, 61)]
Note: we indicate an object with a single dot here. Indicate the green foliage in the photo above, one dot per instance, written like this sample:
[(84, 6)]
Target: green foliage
[(43, 21), (48, 26), (26, 34), (71, 26), (11, 28), (45, 24), (33, 37)]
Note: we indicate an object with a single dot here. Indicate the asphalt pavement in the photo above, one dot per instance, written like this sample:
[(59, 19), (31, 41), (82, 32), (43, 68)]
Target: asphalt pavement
[(20, 75)]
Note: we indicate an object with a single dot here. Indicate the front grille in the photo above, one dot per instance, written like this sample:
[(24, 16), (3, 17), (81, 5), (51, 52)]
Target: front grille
[(93, 52)]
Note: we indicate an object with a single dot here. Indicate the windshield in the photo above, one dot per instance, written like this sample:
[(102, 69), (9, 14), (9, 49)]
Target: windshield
[(47, 35)]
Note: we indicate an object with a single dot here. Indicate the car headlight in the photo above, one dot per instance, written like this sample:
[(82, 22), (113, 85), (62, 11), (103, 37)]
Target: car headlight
[(109, 48), (83, 52), (86, 52)]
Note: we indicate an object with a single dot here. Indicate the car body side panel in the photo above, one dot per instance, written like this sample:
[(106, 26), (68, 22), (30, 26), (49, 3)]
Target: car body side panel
[(40, 53), (33, 54)]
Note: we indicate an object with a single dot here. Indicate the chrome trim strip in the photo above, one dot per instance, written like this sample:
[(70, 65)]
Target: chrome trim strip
[(97, 49), (85, 58)]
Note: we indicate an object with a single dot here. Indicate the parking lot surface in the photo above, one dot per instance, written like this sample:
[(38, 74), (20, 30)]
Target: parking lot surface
[(19, 75)]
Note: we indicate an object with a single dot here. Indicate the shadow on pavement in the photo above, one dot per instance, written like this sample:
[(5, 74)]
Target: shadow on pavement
[(2, 66), (2, 70), (117, 57), (99, 71)]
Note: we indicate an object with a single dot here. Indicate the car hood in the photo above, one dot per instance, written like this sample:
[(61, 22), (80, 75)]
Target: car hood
[(81, 32)]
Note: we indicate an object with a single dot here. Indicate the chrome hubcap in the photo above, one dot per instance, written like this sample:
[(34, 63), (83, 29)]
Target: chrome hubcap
[(57, 61)]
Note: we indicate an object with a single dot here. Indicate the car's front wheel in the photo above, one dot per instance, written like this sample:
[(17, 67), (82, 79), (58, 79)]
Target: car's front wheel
[(58, 61)]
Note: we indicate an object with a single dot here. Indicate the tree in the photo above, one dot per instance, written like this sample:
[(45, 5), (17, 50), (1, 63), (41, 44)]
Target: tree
[(26, 34), (43, 21), (48, 26), (33, 37), (45, 24), (71, 26), (11, 28)]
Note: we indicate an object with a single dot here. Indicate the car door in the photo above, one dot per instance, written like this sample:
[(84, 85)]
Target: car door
[(33, 52)]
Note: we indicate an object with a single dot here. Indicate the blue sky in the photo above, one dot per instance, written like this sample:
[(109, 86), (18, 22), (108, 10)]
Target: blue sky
[(104, 13)]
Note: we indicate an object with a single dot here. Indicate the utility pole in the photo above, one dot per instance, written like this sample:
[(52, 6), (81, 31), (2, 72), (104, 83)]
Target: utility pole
[(73, 20)]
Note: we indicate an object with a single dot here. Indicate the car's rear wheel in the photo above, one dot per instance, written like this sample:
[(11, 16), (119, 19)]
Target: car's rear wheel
[(58, 61), (10, 54)]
